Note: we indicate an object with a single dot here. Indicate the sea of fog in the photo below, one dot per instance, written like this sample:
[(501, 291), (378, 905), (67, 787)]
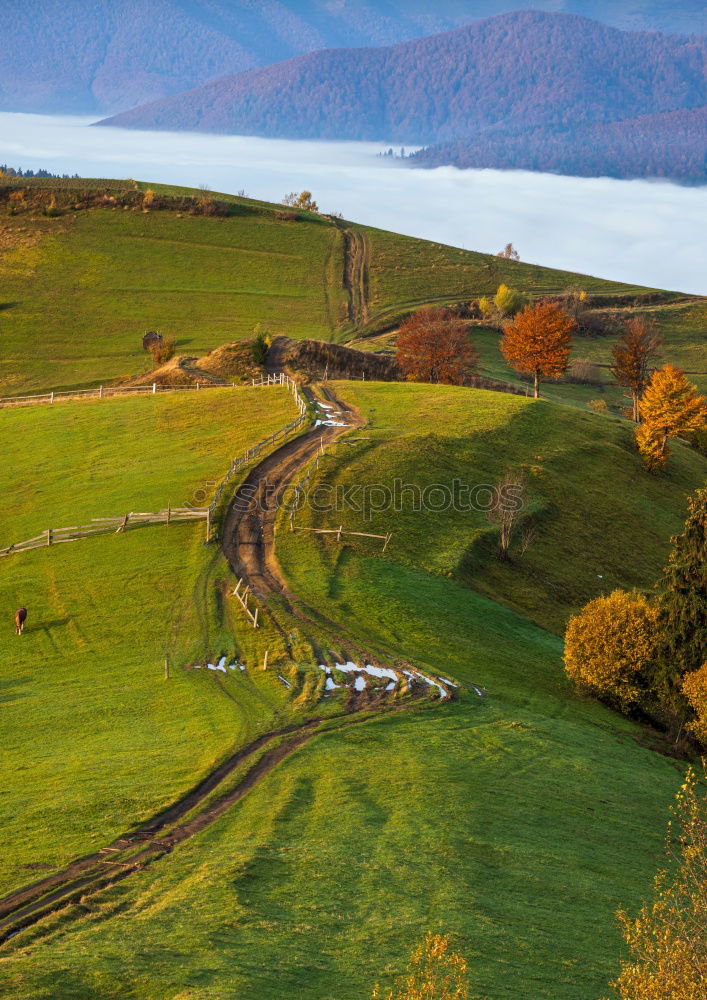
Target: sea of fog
[(643, 232)]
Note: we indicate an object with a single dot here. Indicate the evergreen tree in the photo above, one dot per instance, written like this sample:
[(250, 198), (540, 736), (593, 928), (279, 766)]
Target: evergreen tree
[(682, 609)]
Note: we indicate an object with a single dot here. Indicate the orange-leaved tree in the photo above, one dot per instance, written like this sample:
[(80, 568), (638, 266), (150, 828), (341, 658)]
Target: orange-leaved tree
[(668, 940), (670, 407), (633, 353), (434, 346), (609, 644), (435, 972), (538, 342)]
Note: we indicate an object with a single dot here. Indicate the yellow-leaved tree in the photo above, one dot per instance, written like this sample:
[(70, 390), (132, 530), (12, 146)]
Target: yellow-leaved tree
[(609, 644), (670, 407), (435, 972), (694, 687), (667, 941)]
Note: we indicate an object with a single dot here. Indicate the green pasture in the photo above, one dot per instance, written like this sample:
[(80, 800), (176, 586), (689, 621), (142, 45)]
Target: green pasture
[(517, 823), (601, 521), (76, 460)]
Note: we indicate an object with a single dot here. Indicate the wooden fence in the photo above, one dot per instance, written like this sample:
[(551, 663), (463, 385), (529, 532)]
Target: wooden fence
[(105, 392), (257, 450), (106, 525), (340, 531)]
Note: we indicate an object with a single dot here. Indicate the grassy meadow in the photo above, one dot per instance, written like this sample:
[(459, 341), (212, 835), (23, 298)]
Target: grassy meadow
[(602, 522), (517, 822), (68, 463), (79, 291), (94, 740)]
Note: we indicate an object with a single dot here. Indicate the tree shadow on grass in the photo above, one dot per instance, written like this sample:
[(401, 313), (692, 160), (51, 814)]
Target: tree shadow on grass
[(9, 692)]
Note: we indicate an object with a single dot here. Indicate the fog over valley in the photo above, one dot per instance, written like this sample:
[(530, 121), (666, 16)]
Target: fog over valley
[(642, 232)]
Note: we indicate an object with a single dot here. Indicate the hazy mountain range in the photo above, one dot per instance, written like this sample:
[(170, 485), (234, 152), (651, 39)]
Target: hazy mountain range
[(105, 56), (529, 89)]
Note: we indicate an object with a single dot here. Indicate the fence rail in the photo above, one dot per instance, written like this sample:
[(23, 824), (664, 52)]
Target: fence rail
[(256, 451), (169, 515), (106, 391), (106, 525)]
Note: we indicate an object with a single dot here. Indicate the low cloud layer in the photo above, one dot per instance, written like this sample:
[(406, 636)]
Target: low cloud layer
[(642, 232)]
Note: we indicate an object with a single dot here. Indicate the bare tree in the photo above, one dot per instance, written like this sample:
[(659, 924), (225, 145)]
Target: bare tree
[(509, 252), (508, 513)]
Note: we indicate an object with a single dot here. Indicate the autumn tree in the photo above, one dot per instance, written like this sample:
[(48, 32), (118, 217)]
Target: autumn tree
[(537, 342), (434, 346), (435, 972), (667, 941), (638, 345), (508, 301), (670, 407), (694, 688), (609, 645), (302, 200)]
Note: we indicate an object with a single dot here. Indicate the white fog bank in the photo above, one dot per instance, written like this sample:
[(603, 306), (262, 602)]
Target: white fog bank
[(642, 232)]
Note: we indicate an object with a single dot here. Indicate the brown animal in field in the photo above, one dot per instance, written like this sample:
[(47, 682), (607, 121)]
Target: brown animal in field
[(20, 619)]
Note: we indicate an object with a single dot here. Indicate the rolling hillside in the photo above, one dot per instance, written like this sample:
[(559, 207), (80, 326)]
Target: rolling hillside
[(79, 58), (207, 279), (517, 821)]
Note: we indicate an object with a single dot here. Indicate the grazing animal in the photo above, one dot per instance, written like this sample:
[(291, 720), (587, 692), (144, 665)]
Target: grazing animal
[(20, 619)]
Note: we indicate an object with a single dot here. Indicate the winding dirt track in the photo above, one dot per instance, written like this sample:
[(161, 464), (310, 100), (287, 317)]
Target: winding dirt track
[(248, 541), (248, 538)]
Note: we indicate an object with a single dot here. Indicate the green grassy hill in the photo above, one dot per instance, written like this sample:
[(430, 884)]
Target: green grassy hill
[(518, 822), (80, 285), (93, 739)]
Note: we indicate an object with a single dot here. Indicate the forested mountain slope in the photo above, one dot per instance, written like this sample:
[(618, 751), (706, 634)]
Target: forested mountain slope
[(113, 54)]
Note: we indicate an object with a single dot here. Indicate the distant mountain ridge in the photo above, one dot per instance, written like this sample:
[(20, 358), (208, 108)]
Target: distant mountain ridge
[(74, 56), (484, 87)]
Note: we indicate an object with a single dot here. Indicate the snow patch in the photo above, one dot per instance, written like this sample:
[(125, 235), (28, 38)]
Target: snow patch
[(330, 685), (360, 683), (284, 681)]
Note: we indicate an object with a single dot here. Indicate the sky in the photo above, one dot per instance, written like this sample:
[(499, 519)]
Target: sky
[(642, 232)]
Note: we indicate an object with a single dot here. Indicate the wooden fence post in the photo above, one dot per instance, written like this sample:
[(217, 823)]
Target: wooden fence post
[(154, 388), (166, 667), (49, 536), (52, 398), (208, 523), (169, 512), (255, 619), (265, 660)]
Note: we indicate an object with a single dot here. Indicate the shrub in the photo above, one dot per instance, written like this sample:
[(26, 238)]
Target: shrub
[(583, 372), (598, 405), (435, 972), (259, 349), (609, 645), (508, 301), (162, 351)]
